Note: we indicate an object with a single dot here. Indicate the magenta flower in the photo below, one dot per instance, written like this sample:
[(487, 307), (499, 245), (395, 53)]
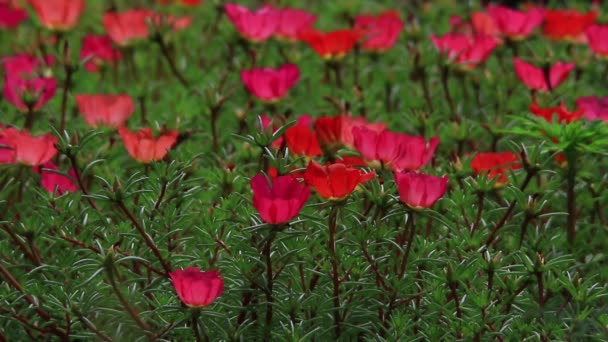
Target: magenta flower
[(255, 26), (536, 78), (98, 51), (516, 24), (52, 181), (23, 65), (419, 190), (269, 84), (280, 200), (396, 151), (11, 17), (593, 107), (291, 22), (597, 37), (195, 288), (29, 94), (465, 50), (381, 32)]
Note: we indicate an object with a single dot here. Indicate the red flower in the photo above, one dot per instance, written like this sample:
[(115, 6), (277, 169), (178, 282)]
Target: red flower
[(495, 164), (195, 288), (271, 85), (280, 200), (144, 147), (27, 149), (29, 94), (350, 122), (484, 24), (291, 22), (302, 141), (593, 107), (394, 150), (562, 113), (58, 15), (381, 32), (329, 131), (331, 45), (538, 79), (107, 110), (23, 65), (597, 36), (52, 181), (191, 3), (465, 50), (568, 24), (335, 181), (127, 27), (255, 26), (516, 24), (419, 190), (11, 16), (98, 50)]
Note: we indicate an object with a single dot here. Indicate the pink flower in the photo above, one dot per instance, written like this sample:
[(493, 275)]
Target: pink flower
[(52, 181), (98, 50), (537, 79), (280, 200), (195, 288), (10, 16), (291, 22), (516, 24), (59, 15), (483, 24), (419, 190), (349, 122), (597, 37), (269, 84), (381, 32), (127, 27), (394, 150), (23, 65), (255, 26), (464, 50), (29, 94), (593, 107), (27, 149), (108, 110)]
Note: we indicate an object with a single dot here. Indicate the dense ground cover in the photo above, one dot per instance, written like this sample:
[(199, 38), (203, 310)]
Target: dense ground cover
[(432, 170)]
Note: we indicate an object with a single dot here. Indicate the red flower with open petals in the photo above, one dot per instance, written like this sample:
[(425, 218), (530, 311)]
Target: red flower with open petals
[(331, 45), (127, 27), (279, 200), (107, 110), (495, 164), (144, 147), (516, 24), (465, 50), (58, 15), (381, 32), (419, 190), (568, 24), (98, 51), (593, 107), (349, 122), (270, 85), (52, 181), (329, 131), (291, 22), (302, 141), (24, 65), (562, 113), (335, 181), (195, 288), (538, 79), (255, 26), (27, 149), (29, 94)]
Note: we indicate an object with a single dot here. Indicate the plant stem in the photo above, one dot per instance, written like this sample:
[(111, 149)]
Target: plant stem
[(165, 51), (147, 239), (411, 229), (571, 196), (445, 76), (269, 282), (335, 277), (480, 198), (69, 71)]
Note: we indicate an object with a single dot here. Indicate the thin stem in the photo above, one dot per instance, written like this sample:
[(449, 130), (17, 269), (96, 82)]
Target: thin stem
[(147, 239), (267, 252), (411, 228), (29, 118), (480, 201), (81, 185), (165, 51), (445, 76), (69, 70), (335, 277), (571, 197)]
